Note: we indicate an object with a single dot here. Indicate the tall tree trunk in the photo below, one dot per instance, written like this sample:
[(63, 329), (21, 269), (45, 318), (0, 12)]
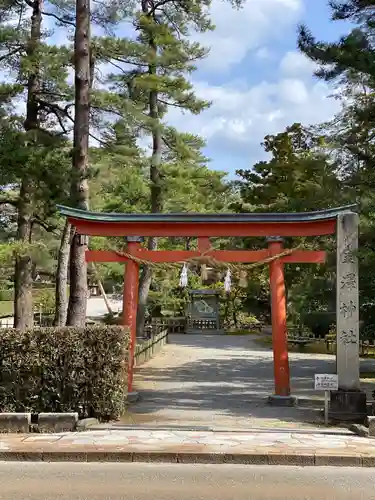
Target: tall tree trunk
[(23, 273), (61, 301), (156, 188), (80, 189)]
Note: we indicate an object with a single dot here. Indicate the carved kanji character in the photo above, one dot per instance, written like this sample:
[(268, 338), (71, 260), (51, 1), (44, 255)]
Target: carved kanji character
[(348, 337), (348, 310), (349, 281)]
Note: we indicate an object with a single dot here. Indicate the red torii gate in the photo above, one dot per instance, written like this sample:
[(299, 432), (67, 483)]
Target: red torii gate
[(204, 226)]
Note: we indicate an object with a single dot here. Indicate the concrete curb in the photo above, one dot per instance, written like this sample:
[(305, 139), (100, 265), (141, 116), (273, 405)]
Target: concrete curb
[(15, 422), (304, 460), (46, 423), (86, 424), (217, 430), (57, 422)]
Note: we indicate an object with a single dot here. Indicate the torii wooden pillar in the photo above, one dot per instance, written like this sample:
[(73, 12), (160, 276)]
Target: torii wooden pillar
[(130, 300), (278, 316), (204, 226)]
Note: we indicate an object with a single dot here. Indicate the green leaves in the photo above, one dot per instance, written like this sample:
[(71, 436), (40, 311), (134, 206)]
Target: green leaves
[(299, 176)]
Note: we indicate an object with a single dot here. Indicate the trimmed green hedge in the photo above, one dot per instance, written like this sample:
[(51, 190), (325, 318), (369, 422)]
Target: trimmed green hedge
[(64, 370)]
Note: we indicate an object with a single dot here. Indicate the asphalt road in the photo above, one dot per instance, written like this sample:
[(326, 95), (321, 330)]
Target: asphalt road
[(115, 481)]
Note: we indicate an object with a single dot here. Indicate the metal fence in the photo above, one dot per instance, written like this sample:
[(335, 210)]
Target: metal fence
[(146, 348), (173, 325), (366, 346), (39, 320)]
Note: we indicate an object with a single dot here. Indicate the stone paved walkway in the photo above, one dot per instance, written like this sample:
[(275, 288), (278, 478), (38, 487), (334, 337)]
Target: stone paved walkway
[(224, 381), (284, 448)]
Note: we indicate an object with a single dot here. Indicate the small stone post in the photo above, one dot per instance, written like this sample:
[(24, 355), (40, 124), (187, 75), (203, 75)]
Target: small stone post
[(349, 402)]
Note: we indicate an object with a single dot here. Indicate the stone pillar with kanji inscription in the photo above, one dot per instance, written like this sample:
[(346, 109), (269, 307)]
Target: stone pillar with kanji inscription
[(349, 402)]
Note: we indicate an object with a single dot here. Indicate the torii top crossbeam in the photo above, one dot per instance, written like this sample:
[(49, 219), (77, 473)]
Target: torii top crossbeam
[(204, 224)]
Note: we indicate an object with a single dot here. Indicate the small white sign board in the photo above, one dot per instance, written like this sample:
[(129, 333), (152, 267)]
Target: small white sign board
[(326, 382)]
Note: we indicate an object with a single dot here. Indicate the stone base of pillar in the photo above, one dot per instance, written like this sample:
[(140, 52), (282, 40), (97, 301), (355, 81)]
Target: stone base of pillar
[(348, 406), (276, 400)]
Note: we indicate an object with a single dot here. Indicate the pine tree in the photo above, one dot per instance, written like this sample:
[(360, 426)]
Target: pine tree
[(350, 62), (161, 56), (353, 55), (31, 66)]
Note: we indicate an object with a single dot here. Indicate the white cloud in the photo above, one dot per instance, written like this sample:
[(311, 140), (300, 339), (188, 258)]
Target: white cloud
[(293, 91), (263, 53), (240, 31), (295, 63), (240, 117)]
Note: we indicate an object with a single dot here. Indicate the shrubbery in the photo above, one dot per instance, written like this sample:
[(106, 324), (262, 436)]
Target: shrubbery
[(319, 322), (7, 294), (64, 370)]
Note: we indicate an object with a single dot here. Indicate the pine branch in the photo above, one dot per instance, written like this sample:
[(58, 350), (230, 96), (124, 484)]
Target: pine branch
[(107, 110), (103, 143), (59, 119), (9, 54), (64, 111), (167, 143), (128, 61), (54, 94), (61, 123), (156, 6), (124, 71), (175, 26), (116, 66), (50, 228), (9, 201), (60, 19), (174, 104), (58, 112)]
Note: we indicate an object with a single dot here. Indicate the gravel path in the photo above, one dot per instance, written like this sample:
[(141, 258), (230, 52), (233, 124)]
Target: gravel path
[(223, 381)]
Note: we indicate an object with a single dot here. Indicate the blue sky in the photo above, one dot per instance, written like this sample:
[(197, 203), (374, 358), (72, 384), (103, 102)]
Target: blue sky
[(256, 79)]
